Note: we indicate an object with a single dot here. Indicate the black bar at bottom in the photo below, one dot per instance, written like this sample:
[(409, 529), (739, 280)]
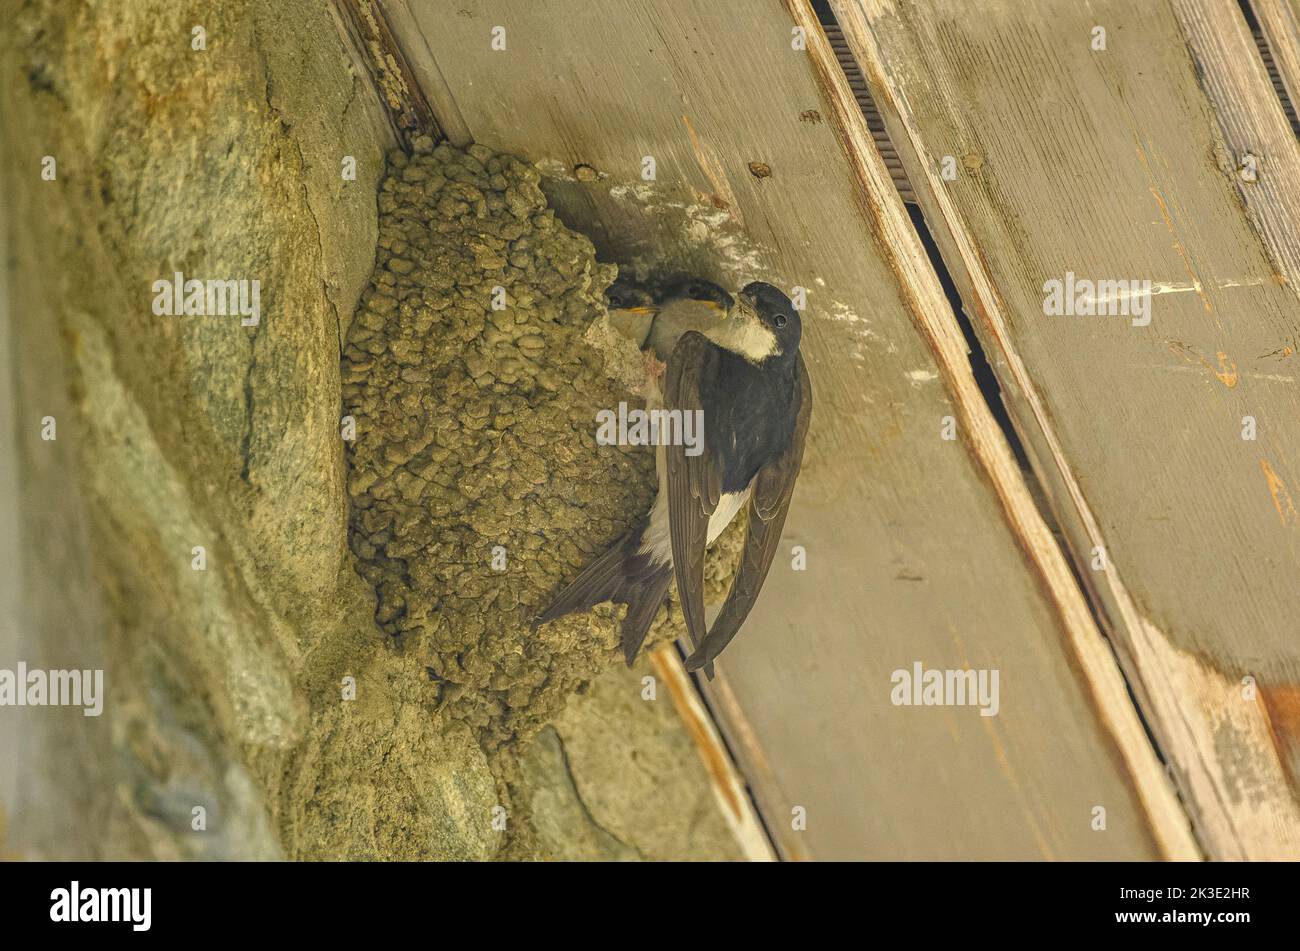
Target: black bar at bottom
[(216, 900)]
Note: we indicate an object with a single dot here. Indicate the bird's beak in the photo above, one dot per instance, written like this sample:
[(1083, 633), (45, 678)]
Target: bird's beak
[(636, 310)]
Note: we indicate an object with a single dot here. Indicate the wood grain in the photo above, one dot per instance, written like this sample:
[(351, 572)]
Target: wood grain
[(910, 553), (1280, 22), (1123, 163)]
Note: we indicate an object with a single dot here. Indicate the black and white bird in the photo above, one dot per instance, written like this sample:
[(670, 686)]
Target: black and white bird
[(745, 372)]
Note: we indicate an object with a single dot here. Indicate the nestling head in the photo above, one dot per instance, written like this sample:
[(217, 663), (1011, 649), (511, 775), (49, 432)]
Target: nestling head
[(622, 295), (706, 292)]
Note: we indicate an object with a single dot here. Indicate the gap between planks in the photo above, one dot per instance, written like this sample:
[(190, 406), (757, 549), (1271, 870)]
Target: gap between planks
[(901, 246), (1277, 34)]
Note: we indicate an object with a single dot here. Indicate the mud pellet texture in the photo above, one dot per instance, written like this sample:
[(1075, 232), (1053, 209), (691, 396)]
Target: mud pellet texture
[(477, 486)]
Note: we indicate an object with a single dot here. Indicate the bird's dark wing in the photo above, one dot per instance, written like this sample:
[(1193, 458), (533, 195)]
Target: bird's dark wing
[(694, 485), (768, 503)]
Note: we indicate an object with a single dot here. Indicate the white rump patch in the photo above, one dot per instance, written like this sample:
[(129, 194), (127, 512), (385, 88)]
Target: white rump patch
[(657, 540)]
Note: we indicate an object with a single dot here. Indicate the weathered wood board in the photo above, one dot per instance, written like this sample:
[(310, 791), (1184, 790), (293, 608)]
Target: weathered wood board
[(910, 557), (1133, 162), (1279, 22)]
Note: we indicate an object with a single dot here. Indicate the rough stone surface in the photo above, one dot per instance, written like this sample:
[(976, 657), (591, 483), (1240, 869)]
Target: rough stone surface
[(224, 685), (591, 773)]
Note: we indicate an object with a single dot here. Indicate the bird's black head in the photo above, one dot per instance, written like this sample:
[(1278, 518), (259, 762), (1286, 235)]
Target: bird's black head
[(624, 295), (701, 290), (775, 312)]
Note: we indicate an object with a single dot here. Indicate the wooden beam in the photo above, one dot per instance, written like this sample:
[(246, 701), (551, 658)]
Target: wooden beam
[(365, 24), (1279, 23), (729, 787), (1123, 162)]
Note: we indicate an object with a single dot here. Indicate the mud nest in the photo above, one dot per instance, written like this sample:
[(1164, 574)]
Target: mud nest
[(476, 481)]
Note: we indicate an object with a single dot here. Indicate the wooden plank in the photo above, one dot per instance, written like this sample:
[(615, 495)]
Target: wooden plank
[(1123, 163), (1279, 21), (728, 785), (910, 555), (1256, 133), (371, 39)]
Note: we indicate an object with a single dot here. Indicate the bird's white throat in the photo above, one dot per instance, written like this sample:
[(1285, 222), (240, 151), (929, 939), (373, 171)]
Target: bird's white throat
[(746, 335)]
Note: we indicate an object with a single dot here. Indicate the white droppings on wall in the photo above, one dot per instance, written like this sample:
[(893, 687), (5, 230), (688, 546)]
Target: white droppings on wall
[(841, 313), (734, 253)]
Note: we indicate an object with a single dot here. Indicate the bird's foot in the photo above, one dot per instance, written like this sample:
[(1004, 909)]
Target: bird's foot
[(654, 367), (651, 389)]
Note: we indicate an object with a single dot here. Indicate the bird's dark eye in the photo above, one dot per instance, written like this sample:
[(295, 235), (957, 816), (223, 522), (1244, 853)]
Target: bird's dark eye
[(615, 300), (782, 320)]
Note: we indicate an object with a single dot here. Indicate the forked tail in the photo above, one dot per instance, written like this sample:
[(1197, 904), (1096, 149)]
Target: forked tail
[(622, 574)]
